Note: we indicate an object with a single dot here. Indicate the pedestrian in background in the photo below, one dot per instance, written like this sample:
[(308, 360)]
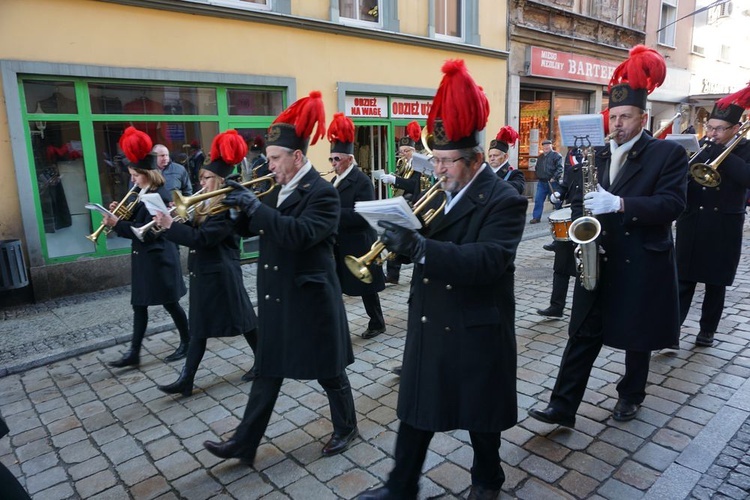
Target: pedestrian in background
[(549, 170)]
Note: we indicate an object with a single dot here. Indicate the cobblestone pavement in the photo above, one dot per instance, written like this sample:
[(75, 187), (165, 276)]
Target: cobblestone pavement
[(80, 429)]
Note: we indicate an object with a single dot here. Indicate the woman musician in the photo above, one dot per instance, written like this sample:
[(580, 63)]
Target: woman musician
[(219, 305), (156, 276)]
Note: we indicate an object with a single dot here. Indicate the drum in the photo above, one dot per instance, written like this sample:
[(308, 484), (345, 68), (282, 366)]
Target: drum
[(559, 222)]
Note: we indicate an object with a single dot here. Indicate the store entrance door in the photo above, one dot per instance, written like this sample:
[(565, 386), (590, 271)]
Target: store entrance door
[(372, 150)]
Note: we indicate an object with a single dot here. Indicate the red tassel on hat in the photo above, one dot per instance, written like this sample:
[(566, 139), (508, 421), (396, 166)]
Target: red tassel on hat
[(305, 114), (644, 69), (341, 129), (459, 102), (508, 135), (414, 131), (740, 98), (135, 144), (228, 146)]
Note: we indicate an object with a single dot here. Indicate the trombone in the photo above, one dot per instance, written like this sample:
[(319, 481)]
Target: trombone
[(182, 204), (140, 232), (358, 266), (707, 174), (123, 211)]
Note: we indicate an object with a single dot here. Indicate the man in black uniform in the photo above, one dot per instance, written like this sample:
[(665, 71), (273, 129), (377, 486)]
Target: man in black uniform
[(303, 330), (498, 158), (709, 231), (641, 190), (460, 341), (355, 234)]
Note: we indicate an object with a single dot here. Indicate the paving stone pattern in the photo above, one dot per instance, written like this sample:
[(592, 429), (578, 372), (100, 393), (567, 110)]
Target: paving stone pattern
[(80, 429)]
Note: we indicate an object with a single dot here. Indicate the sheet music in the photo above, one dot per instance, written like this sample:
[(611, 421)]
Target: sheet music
[(580, 130), (154, 203), (687, 141), (99, 208), (395, 210), (421, 163)]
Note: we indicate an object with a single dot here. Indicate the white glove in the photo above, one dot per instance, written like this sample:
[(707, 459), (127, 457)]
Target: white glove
[(601, 201), (554, 198), (388, 179)]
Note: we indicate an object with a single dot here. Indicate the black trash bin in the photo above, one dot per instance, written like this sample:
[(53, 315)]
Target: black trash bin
[(12, 268)]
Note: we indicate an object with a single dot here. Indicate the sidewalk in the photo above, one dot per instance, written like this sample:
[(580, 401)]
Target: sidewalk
[(80, 429)]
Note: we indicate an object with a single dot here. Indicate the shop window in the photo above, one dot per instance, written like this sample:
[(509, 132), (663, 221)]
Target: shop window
[(667, 22), (449, 18), (360, 10), (239, 4), (147, 99), (255, 102), (50, 97)]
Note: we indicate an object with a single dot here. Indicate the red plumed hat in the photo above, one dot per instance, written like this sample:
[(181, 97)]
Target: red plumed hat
[(413, 135), (137, 147), (638, 76), (459, 110), (505, 138), (341, 134), (731, 108), (227, 149), (293, 128)]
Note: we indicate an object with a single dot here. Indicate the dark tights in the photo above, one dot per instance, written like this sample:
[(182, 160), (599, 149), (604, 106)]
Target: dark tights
[(140, 322), (197, 348)]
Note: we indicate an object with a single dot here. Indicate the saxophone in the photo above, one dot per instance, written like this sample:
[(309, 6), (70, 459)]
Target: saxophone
[(585, 230)]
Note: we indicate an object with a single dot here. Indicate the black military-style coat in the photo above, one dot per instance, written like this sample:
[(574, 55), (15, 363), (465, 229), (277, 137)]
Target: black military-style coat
[(411, 186), (637, 286), (570, 193), (514, 177), (219, 305), (355, 236), (459, 368), (709, 231), (155, 270), (303, 330)]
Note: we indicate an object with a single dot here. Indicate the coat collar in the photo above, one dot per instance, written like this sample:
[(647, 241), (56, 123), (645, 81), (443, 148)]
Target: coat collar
[(629, 169), (304, 186), (476, 196)]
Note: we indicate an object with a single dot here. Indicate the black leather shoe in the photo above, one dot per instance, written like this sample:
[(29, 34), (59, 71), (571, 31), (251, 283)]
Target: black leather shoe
[(382, 493), (250, 375), (183, 385), (625, 411), (705, 339), (338, 443), (480, 493), (179, 353), (397, 370), (372, 332), (393, 280), (227, 449), (549, 313), (534, 221), (130, 358), (553, 416), (550, 247)]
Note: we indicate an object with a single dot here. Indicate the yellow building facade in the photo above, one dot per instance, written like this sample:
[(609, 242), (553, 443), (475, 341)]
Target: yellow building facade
[(75, 73)]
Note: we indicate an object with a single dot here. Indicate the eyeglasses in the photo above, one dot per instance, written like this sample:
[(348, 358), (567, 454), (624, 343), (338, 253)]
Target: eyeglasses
[(444, 161), (335, 159), (720, 130)]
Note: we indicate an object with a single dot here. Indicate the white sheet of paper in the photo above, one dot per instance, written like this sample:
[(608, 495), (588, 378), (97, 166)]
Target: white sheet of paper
[(687, 141), (395, 210), (377, 174), (421, 163), (99, 208), (154, 203), (582, 130)]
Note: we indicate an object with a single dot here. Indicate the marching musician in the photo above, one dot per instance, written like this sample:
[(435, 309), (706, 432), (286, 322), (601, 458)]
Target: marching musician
[(409, 182), (156, 274), (709, 231), (498, 158), (219, 305), (303, 331), (355, 236), (460, 340), (640, 192)]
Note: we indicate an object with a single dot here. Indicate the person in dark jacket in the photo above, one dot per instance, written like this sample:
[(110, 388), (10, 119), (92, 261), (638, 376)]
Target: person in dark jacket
[(460, 340), (497, 154), (641, 191), (355, 236), (10, 488), (303, 331), (155, 262), (709, 231), (219, 305)]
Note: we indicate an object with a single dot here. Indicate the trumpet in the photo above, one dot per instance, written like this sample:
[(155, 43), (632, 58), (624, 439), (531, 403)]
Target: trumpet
[(183, 203), (707, 174), (140, 232), (358, 266), (123, 211)]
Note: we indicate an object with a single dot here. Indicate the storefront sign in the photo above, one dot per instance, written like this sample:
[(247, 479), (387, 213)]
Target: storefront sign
[(366, 106), (566, 66), (410, 108)]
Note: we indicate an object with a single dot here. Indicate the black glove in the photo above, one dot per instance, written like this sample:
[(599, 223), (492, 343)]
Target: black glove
[(403, 241), (242, 198)]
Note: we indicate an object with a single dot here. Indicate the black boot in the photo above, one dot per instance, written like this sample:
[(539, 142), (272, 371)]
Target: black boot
[(183, 385), (130, 358), (179, 353)]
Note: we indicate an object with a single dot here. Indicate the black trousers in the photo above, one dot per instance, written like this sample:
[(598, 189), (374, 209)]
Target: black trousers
[(560, 283), (711, 309), (411, 450), (371, 301), (578, 359), (393, 268), (263, 395)]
